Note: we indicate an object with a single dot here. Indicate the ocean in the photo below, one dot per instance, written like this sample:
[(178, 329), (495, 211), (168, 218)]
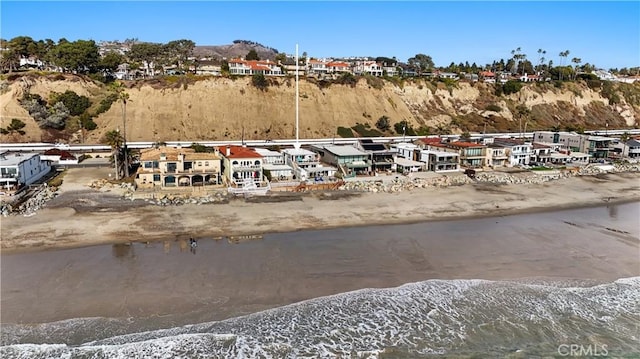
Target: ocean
[(554, 284)]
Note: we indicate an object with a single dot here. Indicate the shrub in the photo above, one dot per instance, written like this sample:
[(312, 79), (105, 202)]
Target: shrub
[(362, 130), (74, 103), (383, 123), (403, 127), (260, 82), (345, 132), (511, 87), (347, 79), (87, 122), (494, 108), (375, 82), (106, 103)]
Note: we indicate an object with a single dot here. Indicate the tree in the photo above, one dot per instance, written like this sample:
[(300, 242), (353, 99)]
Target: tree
[(79, 56), (114, 140), (259, 81), (252, 55), (23, 46), (576, 61), (15, 126), (281, 58), (180, 51), (563, 55), (118, 89), (624, 138), (541, 59), (110, 61), (383, 123), (522, 112), (147, 53), (421, 62)]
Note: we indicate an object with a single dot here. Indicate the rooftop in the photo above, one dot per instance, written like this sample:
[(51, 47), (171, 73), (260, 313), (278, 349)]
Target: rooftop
[(171, 153), (344, 150), (9, 159)]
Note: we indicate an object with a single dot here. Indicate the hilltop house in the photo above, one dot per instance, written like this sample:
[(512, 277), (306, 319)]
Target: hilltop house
[(252, 67)]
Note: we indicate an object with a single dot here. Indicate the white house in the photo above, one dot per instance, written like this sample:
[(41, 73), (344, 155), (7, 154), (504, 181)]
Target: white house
[(21, 169), (306, 164), (274, 165)]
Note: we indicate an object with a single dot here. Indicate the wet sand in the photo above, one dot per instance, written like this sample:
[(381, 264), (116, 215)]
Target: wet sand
[(166, 284)]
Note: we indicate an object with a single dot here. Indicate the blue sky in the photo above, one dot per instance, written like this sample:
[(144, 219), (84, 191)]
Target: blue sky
[(606, 34)]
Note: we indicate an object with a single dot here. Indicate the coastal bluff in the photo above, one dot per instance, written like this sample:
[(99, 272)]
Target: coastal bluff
[(195, 108)]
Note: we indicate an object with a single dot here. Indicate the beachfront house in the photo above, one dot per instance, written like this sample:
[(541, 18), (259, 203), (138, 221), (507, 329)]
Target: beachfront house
[(241, 163), (497, 155), (519, 151), (472, 155), (307, 166), (349, 160), (597, 147), (380, 156), (540, 153), (442, 161), (21, 169), (167, 167), (274, 166)]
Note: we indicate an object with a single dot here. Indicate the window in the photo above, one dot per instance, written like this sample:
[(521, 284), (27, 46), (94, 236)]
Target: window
[(156, 178), (199, 164), (206, 164)]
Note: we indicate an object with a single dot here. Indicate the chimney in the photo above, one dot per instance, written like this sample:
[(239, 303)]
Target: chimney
[(228, 151)]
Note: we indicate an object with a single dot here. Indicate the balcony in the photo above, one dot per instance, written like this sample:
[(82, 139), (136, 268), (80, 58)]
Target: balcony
[(239, 168)]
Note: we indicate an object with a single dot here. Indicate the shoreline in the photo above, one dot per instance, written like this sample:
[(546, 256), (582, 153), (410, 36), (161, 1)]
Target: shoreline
[(80, 217)]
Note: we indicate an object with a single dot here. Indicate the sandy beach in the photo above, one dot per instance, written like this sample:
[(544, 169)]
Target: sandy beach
[(81, 216)]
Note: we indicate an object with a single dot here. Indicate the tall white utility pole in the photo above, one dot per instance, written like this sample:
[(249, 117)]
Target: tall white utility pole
[(297, 144)]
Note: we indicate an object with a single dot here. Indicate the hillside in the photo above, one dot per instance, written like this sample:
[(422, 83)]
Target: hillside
[(200, 108)]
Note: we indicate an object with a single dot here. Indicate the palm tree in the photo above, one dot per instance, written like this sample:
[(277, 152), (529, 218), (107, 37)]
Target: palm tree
[(563, 54), (541, 59), (624, 138), (523, 112), (577, 61), (119, 89), (114, 139)]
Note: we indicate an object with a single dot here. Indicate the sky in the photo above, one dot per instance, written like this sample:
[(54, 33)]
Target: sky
[(605, 34)]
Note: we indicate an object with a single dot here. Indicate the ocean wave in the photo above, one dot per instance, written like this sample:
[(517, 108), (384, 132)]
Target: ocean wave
[(457, 317)]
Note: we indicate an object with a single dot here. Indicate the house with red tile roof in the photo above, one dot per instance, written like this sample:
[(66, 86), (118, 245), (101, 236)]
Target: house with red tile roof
[(252, 67), (242, 163), (488, 76), (317, 67), (367, 68), (338, 67), (167, 167)]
